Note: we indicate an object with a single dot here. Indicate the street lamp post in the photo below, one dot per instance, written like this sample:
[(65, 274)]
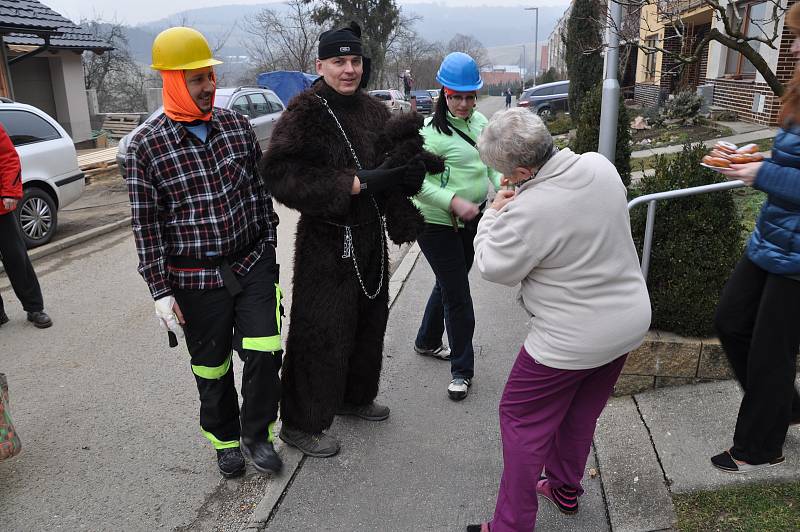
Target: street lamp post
[(609, 108), (535, 43), (524, 65)]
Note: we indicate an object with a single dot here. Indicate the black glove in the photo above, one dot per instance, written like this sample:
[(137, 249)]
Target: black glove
[(381, 179), (414, 176)]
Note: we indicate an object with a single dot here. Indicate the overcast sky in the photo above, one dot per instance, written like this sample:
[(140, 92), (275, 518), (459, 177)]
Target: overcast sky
[(136, 11)]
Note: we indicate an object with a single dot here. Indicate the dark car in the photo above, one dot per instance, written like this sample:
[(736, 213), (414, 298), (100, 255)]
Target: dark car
[(424, 101), (546, 100)]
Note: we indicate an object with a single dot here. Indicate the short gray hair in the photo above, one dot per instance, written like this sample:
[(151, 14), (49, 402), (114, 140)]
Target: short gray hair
[(512, 138)]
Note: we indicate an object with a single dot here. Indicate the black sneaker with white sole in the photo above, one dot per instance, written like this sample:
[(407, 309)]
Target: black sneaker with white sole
[(458, 388), (442, 352)]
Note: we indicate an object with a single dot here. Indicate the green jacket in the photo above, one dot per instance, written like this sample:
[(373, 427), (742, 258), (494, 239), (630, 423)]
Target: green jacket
[(465, 175)]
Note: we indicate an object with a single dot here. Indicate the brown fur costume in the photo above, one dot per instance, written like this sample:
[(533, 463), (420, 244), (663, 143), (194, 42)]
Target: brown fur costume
[(403, 220), (335, 342)]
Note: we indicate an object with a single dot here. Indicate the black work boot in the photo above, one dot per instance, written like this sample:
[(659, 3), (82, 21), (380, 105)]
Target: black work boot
[(370, 412), (230, 462), (263, 456), (318, 445), (40, 319)]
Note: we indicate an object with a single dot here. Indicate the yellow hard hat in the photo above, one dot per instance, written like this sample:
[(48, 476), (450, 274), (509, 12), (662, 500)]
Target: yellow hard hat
[(181, 48)]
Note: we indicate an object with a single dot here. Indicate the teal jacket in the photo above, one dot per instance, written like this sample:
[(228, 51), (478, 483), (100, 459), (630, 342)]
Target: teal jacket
[(464, 175)]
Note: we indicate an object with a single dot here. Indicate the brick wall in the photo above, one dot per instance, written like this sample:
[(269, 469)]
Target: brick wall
[(646, 94), (737, 95), (669, 66)]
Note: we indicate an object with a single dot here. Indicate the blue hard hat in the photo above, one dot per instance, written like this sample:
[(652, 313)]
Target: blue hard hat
[(459, 72)]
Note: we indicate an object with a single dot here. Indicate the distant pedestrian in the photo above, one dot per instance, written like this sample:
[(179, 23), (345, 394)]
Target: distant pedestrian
[(451, 203), (13, 253), (508, 98), (206, 232), (408, 84), (565, 237), (758, 317)]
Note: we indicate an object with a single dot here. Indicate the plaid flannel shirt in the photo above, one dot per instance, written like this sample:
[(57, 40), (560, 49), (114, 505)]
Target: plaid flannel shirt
[(197, 199)]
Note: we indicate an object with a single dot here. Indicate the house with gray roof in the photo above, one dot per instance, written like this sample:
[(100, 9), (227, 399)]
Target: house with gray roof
[(41, 65)]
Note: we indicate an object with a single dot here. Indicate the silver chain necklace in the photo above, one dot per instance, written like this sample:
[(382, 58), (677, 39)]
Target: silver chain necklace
[(349, 249)]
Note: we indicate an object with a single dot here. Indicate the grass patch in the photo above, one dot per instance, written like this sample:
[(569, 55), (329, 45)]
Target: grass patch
[(756, 508)]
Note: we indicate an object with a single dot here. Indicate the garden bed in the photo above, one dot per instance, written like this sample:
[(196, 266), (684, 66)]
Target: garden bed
[(676, 133)]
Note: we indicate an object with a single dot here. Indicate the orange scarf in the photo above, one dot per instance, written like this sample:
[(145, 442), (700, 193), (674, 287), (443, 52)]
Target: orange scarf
[(178, 103)]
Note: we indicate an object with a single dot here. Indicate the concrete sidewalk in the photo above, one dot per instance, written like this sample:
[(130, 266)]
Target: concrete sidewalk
[(436, 465)]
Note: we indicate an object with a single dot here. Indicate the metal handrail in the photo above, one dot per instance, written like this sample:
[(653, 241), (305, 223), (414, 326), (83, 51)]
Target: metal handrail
[(651, 200)]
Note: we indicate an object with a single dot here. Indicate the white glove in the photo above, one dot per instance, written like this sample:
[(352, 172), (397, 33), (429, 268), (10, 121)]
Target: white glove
[(166, 316)]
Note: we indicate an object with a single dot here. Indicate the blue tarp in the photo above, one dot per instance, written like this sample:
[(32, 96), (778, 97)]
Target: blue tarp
[(286, 83)]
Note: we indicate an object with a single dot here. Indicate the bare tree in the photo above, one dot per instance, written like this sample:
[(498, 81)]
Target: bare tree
[(412, 52), (469, 45), (115, 76), (283, 41), (730, 27)]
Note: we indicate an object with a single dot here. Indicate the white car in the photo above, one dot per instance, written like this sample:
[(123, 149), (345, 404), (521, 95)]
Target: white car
[(261, 106), (51, 177), (393, 99)]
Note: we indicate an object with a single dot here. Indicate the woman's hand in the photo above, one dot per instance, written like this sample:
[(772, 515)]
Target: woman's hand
[(464, 209), (744, 172), (503, 198)]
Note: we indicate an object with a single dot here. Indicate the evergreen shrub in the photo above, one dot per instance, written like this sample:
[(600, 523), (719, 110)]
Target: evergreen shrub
[(696, 243), (587, 135), (685, 105)]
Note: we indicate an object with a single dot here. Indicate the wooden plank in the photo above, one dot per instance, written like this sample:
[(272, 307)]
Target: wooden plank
[(102, 157)]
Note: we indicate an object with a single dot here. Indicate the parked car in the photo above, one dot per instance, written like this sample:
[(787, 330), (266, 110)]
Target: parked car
[(547, 99), (434, 96), (393, 99), (261, 106), (424, 101), (51, 177)]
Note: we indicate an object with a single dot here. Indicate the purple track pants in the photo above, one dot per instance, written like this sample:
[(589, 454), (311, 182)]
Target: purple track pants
[(547, 421)]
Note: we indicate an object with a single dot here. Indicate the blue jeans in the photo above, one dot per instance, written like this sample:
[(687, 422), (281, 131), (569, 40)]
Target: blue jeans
[(449, 307)]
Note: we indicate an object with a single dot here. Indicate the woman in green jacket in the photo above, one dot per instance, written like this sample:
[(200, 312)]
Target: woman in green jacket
[(451, 203)]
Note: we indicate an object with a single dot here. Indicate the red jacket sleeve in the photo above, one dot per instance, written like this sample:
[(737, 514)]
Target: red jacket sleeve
[(10, 169)]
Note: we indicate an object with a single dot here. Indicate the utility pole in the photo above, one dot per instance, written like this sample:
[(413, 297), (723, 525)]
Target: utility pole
[(535, 43), (609, 110), (524, 66)]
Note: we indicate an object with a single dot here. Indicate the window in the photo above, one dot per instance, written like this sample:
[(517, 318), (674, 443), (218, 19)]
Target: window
[(240, 105), (259, 104), (221, 100), (275, 103), (754, 17), (384, 96), (24, 127), (544, 91), (650, 58)]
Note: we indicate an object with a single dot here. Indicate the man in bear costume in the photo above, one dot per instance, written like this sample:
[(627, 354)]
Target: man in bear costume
[(328, 159)]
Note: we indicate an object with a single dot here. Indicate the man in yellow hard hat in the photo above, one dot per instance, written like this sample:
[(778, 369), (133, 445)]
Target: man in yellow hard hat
[(205, 233)]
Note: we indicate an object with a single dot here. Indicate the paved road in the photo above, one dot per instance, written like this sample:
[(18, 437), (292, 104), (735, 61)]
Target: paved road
[(107, 413)]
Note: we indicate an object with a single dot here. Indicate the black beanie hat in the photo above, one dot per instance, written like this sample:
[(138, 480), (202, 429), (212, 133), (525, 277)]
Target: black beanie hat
[(344, 41)]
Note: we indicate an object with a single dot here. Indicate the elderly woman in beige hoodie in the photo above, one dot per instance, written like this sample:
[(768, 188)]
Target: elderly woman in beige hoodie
[(563, 236)]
